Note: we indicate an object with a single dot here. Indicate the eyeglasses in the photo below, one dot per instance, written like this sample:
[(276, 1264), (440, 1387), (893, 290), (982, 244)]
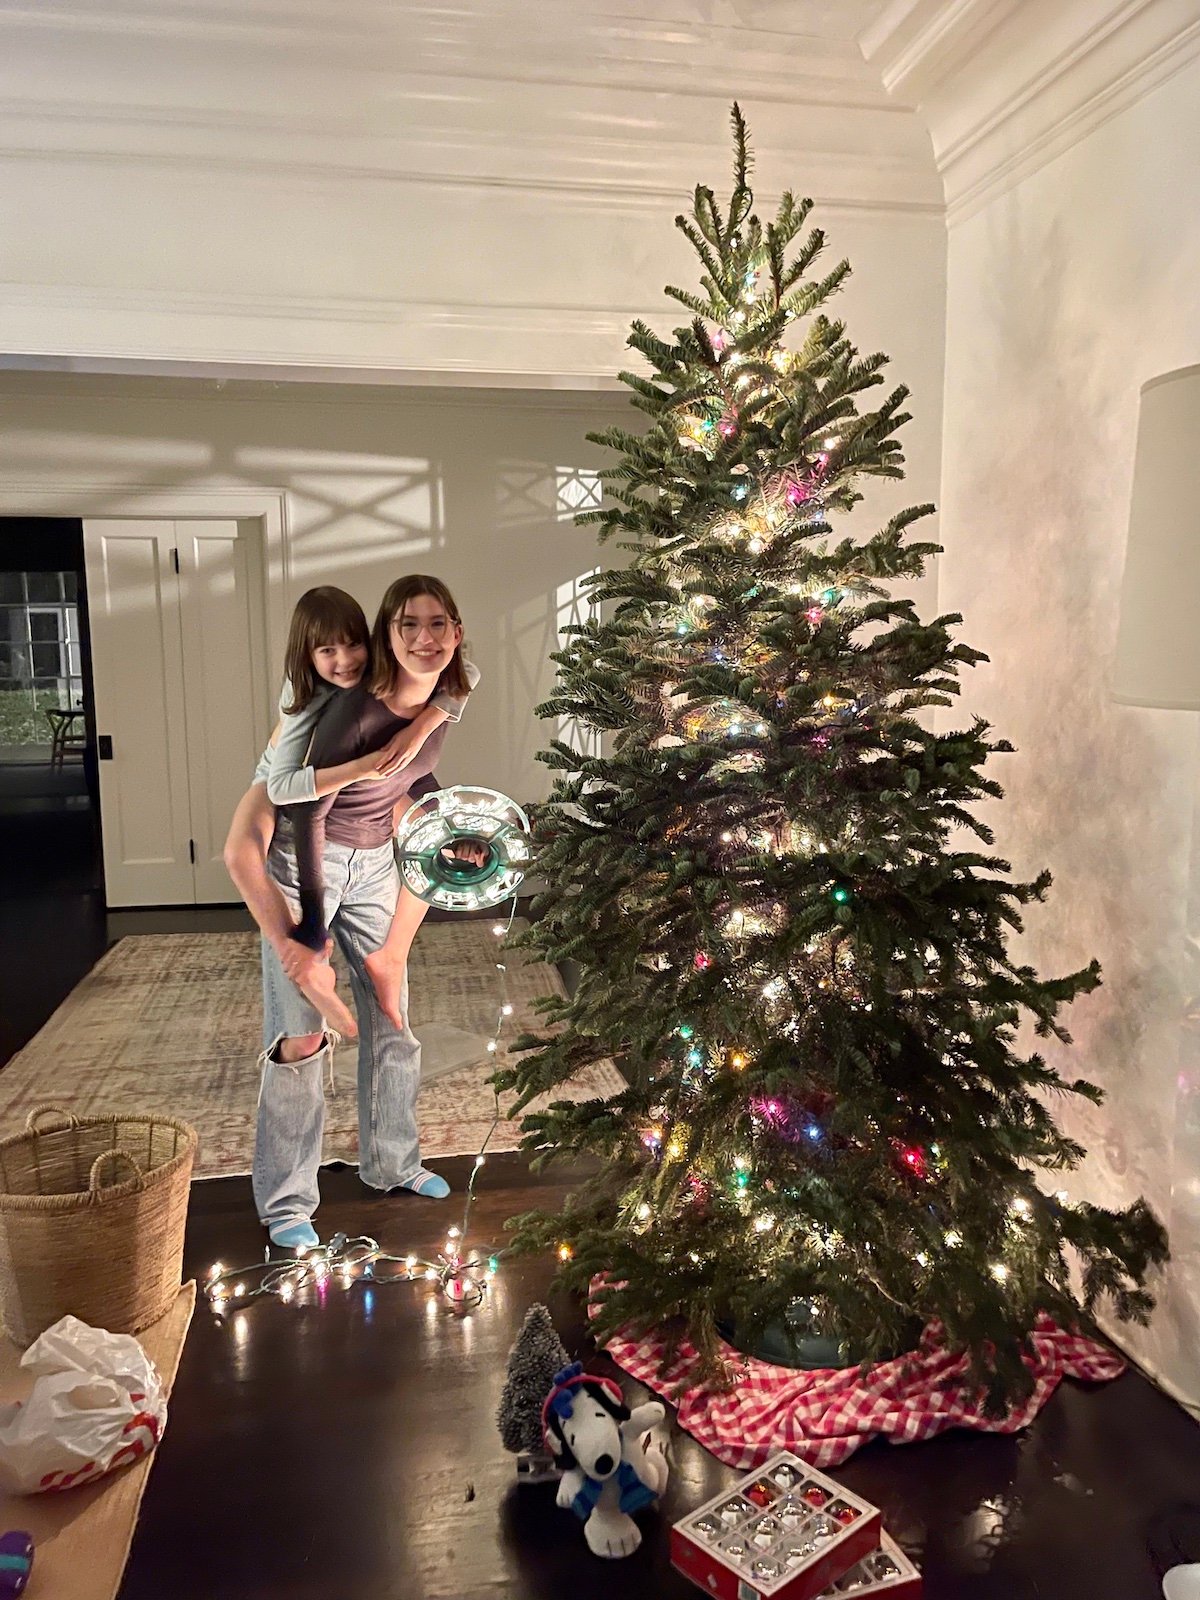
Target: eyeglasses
[(410, 627)]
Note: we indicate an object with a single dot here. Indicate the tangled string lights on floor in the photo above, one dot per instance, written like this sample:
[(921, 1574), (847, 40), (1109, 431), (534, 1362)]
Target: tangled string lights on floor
[(492, 831)]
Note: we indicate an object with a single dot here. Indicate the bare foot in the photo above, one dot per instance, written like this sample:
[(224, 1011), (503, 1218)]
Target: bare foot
[(316, 980), (319, 986), (386, 973)]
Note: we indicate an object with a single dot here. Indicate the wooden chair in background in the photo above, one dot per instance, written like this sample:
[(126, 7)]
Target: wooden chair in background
[(67, 735)]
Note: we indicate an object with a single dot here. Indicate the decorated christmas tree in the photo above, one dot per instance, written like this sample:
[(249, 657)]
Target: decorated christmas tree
[(791, 933)]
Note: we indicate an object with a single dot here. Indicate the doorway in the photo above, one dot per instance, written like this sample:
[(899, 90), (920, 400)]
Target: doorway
[(49, 798)]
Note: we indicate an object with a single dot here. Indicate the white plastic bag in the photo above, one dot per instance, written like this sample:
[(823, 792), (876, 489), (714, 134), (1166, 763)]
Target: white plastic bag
[(97, 1403)]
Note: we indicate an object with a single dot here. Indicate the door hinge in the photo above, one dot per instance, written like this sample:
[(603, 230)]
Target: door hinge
[(192, 851), (175, 559)]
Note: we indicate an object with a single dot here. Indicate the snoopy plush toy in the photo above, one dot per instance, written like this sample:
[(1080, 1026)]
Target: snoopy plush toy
[(607, 1472)]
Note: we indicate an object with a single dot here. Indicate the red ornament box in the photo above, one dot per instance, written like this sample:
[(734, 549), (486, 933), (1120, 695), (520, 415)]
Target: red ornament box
[(786, 1532)]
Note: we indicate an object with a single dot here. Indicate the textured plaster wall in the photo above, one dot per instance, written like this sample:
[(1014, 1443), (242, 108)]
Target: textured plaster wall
[(1065, 294)]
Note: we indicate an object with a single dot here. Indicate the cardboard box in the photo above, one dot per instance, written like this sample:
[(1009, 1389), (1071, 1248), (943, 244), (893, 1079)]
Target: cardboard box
[(784, 1532)]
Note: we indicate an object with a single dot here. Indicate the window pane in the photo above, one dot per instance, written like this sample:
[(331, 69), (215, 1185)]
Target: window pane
[(70, 583), (44, 625), (17, 657), (45, 661), (12, 588), (44, 586)]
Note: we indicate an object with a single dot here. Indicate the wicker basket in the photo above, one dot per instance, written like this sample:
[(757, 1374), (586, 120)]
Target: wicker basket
[(92, 1212)]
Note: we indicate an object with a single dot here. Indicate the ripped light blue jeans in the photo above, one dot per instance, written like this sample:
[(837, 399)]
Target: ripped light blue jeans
[(361, 887)]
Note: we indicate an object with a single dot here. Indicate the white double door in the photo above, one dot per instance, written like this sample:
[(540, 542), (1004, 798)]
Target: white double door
[(175, 611)]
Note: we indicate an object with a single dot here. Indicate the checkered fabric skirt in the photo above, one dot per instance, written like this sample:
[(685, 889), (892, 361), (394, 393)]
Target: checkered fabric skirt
[(825, 1415)]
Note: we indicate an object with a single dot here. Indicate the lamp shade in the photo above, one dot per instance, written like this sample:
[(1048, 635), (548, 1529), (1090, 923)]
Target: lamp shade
[(1158, 642)]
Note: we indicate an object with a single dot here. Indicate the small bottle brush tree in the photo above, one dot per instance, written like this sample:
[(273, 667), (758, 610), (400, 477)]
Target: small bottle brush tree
[(784, 934), (537, 1354)]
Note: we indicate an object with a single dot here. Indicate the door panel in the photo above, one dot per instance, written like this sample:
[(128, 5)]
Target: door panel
[(137, 668), (220, 603)]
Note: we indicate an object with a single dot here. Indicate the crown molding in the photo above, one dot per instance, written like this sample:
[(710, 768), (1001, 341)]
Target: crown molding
[(975, 177), (409, 185), (82, 327), (641, 182), (831, 23), (1006, 86), (689, 46), (258, 386), (915, 45)]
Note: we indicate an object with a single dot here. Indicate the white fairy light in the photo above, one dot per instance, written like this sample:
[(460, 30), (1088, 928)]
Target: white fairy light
[(643, 1211), (921, 1258), (953, 1238), (999, 1271), (1020, 1206), (764, 1224)]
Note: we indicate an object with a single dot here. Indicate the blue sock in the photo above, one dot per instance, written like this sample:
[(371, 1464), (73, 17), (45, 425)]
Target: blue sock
[(428, 1185), (294, 1236)]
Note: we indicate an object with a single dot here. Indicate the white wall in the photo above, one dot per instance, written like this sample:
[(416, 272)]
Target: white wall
[(1072, 280), (375, 483)]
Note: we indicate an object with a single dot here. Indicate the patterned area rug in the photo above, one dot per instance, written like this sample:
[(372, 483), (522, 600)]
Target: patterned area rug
[(172, 1023)]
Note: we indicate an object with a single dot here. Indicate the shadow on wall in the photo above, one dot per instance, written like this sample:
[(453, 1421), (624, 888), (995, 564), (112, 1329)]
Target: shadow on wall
[(1043, 484), (479, 491), (533, 503)]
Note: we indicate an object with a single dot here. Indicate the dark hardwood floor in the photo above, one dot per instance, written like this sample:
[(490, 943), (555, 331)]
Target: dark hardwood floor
[(346, 1450)]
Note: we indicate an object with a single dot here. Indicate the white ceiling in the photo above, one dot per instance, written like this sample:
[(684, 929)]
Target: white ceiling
[(398, 183)]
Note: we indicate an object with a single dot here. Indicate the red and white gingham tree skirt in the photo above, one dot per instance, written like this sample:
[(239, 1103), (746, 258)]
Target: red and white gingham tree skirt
[(825, 1415)]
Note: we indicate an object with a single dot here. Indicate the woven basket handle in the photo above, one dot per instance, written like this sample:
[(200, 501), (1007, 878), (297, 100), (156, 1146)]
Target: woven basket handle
[(66, 1119), (96, 1176)]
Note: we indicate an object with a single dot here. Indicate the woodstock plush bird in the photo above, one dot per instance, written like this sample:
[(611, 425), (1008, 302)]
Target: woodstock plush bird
[(608, 1472)]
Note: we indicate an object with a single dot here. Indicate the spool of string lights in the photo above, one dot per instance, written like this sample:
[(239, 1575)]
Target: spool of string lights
[(464, 848)]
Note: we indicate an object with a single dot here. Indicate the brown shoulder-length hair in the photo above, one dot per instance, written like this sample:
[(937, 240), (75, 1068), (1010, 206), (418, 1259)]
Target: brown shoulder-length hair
[(322, 616), (384, 668)]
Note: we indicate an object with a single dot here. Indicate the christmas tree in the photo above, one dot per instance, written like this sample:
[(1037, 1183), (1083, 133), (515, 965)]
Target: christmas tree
[(791, 934), (537, 1354)]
